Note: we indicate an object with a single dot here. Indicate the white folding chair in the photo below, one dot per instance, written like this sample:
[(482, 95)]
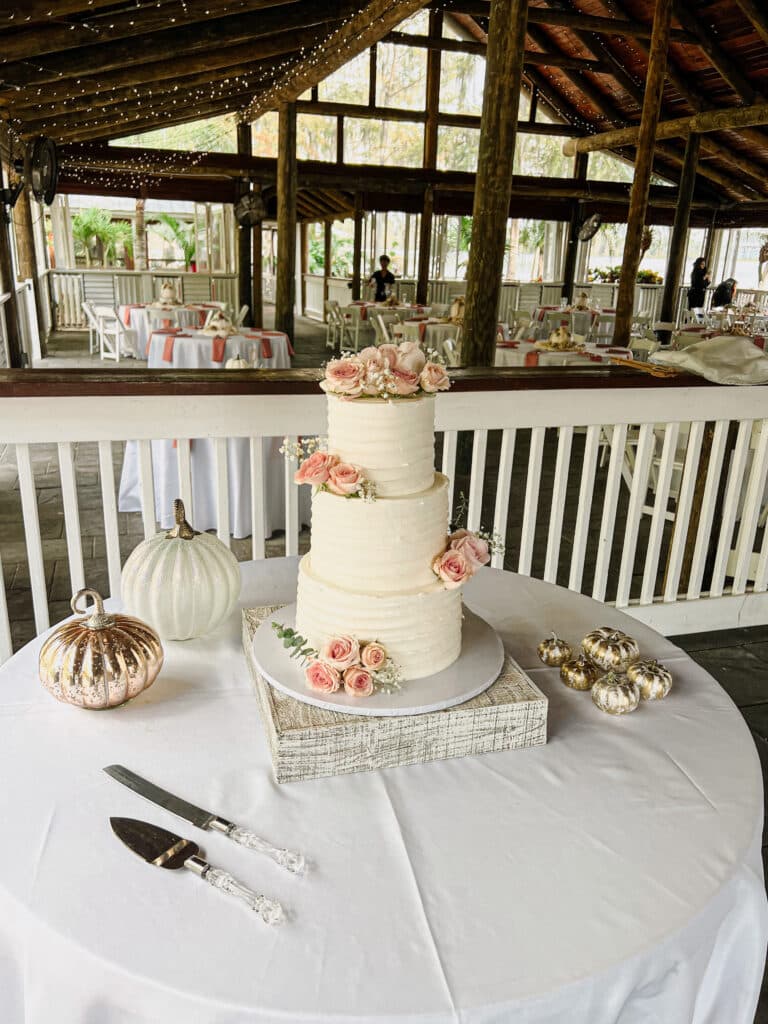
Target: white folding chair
[(240, 318), (440, 309), (451, 352), (581, 325), (342, 329), (115, 339), (331, 325), (159, 318), (382, 325), (603, 328), (358, 325), (93, 327)]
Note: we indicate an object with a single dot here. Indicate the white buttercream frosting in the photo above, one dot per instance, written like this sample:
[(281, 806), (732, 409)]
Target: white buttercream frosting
[(421, 629), (383, 546), (393, 442)]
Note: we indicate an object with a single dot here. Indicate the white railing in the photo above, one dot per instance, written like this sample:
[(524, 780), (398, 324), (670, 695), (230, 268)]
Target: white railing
[(647, 497), (68, 289)]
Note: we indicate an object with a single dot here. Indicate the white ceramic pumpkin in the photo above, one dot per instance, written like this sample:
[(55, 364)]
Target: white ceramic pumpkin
[(237, 363), (183, 583)]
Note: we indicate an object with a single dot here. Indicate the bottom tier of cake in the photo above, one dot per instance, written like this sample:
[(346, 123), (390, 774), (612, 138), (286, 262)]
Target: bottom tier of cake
[(420, 629)]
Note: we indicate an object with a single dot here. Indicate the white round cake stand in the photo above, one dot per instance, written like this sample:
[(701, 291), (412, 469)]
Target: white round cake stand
[(478, 665)]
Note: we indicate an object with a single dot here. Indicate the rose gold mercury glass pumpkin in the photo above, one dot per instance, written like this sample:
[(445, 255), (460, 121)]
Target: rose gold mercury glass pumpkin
[(579, 673), (615, 694), (616, 650), (100, 660), (554, 651), (654, 680)]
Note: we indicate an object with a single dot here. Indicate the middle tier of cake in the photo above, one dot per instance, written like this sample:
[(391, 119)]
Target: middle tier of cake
[(383, 546)]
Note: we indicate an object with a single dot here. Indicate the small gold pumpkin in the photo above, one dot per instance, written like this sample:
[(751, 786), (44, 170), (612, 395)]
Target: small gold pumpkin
[(554, 651), (595, 636), (615, 694), (579, 673), (615, 651), (100, 660), (654, 680)]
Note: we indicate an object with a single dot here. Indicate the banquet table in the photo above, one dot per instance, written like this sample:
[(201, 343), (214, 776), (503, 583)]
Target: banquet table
[(135, 316), (612, 876), (524, 353), (404, 311), (185, 350)]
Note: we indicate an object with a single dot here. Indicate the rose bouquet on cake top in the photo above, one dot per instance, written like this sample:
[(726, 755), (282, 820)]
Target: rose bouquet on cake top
[(389, 371)]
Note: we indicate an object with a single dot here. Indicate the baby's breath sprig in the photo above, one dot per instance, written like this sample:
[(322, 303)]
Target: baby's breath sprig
[(389, 678), (297, 451)]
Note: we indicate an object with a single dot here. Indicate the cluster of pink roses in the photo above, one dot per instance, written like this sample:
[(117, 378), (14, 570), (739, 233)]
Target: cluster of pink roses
[(387, 371), (341, 660), (465, 553), (322, 469)]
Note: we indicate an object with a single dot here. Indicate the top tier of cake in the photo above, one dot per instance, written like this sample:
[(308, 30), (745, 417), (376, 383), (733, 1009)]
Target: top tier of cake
[(392, 442)]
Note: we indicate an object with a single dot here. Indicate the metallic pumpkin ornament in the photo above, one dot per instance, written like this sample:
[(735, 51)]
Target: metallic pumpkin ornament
[(612, 651), (615, 694), (579, 673), (654, 680), (554, 651), (101, 660)]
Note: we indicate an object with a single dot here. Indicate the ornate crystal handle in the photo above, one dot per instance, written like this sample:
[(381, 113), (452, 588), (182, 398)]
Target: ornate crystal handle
[(287, 859), (270, 911)]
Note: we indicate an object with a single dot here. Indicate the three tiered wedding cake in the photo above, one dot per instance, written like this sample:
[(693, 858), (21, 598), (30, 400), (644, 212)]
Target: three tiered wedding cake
[(382, 568)]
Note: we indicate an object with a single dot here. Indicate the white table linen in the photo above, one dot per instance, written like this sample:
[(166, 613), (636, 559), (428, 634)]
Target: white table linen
[(612, 876), (136, 317), (195, 351)]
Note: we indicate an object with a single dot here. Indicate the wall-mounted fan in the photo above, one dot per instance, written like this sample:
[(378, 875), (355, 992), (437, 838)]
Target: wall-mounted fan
[(590, 227), (250, 209), (43, 169)]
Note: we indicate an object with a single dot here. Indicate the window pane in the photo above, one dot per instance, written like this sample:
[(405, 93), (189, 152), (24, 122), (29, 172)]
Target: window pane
[(264, 134), (349, 84), (457, 149), (606, 167), (416, 25), (542, 156), (215, 134), (401, 77), (392, 143), (315, 137), (462, 76)]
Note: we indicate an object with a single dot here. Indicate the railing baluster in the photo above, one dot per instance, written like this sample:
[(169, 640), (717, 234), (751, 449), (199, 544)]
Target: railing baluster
[(559, 491), (109, 506), (750, 515), (184, 455), (586, 489), (610, 503), (531, 504), (6, 643), (645, 447), (707, 509), (477, 479), (34, 541), (503, 487), (730, 506), (659, 518), (258, 488), (222, 490), (71, 516), (147, 489), (683, 510), (291, 506), (450, 440)]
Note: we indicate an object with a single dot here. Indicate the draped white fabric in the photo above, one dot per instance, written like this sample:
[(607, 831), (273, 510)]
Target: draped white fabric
[(610, 877)]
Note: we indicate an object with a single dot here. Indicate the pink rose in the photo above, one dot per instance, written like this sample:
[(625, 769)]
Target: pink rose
[(404, 382), (343, 478), (373, 656), (322, 678), (371, 357), (410, 357), (358, 682), (452, 567), (340, 652), (434, 378), (344, 377), (474, 548), (389, 353), (315, 469)]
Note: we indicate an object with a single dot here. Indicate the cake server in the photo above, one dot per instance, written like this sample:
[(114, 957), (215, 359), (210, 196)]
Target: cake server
[(165, 850), (205, 819)]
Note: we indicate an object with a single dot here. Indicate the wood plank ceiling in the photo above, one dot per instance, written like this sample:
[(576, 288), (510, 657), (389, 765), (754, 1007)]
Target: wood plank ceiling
[(87, 71)]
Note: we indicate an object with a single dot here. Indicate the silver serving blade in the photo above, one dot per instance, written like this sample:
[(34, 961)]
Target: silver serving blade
[(153, 844), (174, 804)]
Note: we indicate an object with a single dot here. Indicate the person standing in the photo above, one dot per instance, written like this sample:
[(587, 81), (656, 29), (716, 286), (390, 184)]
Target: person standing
[(699, 283), (383, 279)]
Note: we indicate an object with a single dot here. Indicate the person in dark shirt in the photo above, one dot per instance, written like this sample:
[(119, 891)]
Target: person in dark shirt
[(699, 283), (383, 279), (724, 293)]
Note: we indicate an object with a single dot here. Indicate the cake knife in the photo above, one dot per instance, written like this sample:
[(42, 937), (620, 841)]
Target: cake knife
[(205, 819), (162, 848)]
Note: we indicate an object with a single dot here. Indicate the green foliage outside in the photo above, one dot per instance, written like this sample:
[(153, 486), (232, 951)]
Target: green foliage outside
[(100, 240), (180, 233)]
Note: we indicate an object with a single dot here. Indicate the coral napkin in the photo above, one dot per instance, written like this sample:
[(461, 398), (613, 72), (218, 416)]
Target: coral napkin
[(218, 347), (422, 329), (127, 313)]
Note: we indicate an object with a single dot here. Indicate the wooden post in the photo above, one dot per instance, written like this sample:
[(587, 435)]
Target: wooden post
[(680, 229), (258, 276), (140, 235), (357, 248), (425, 241), (285, 284), (26, 256), (245, 272), (16, 357), (638, 201), (493, 183), (303, 266), (327, 258), (572, 241)]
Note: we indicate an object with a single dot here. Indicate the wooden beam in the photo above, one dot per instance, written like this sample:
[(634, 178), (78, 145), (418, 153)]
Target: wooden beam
[(495, 162), (357, 248), (40, 10), (638, 201), (707, 121), (572, 245), (706, 40), (355, 35), (433, 91), (679, 238), (530, 57), (425, 245), (327, 260), (257, 307), (757, 16), (285, 284)]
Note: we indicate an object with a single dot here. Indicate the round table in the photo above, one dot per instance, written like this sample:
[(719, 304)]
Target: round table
[(612, 876), (194, 350)]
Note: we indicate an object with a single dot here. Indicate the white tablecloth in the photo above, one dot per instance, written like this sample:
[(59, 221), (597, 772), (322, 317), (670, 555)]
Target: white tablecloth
[(193, 350), (612, 876), (137, 318)]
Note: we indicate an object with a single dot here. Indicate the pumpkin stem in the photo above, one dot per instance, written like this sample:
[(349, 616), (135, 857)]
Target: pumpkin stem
[(98, 619), (182, 528)]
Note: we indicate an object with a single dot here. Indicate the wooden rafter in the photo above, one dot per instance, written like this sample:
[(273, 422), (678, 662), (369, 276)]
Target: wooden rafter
[(530, 57), (727, 67), (757, 16)]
